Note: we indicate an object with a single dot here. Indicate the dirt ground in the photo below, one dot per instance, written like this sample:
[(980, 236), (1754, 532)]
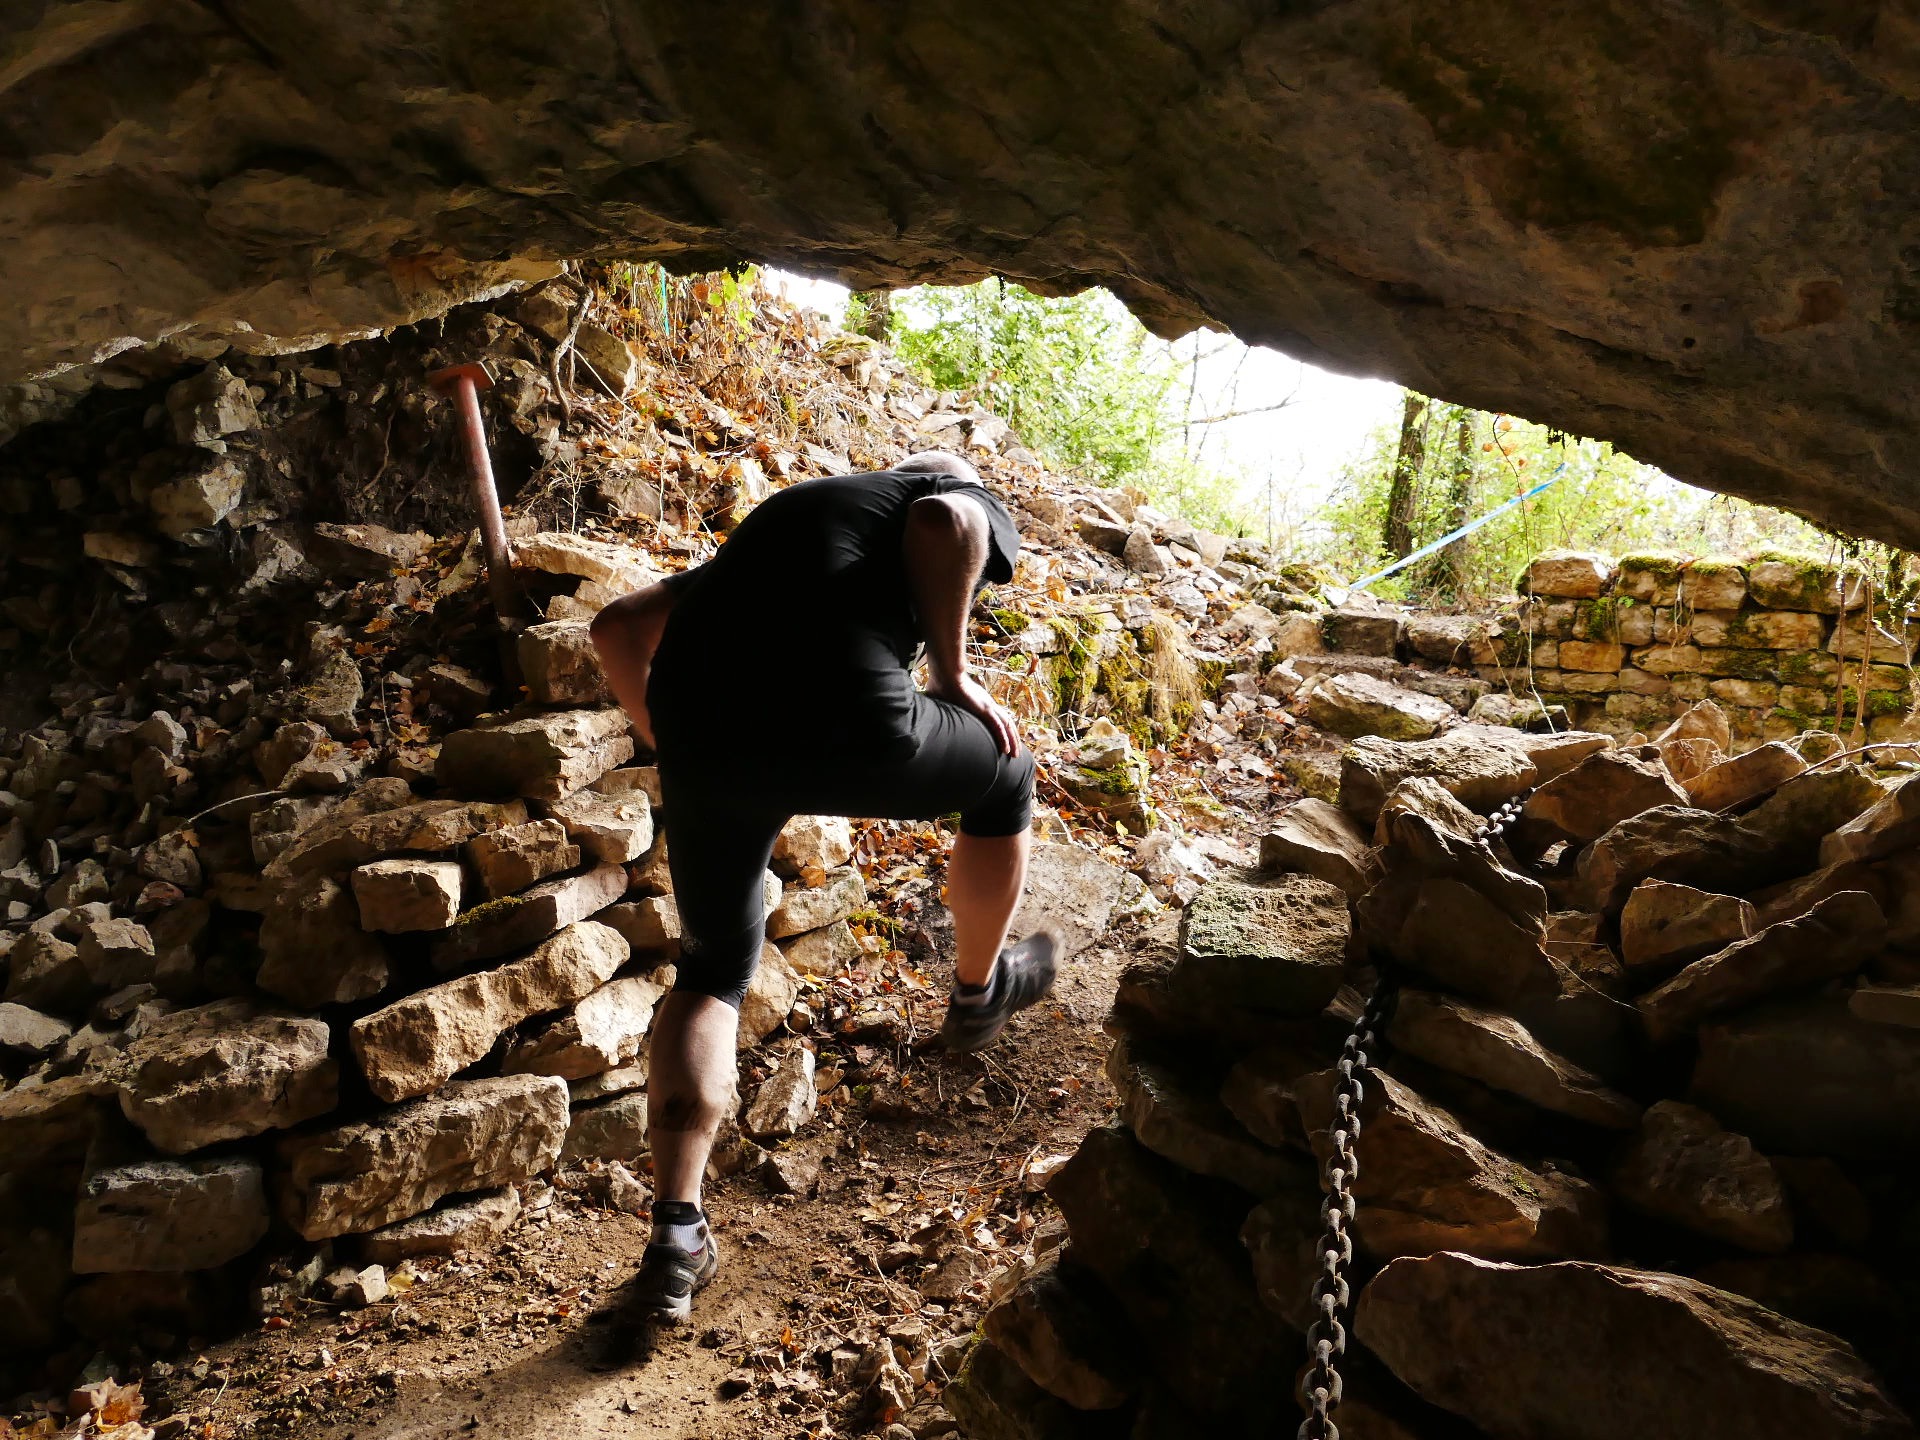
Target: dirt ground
[(532, 1341)]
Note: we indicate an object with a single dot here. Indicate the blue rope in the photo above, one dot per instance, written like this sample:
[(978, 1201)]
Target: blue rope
[(1466, 529)]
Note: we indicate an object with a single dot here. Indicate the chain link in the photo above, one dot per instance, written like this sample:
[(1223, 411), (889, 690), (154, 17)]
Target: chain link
[(1320, 1386)]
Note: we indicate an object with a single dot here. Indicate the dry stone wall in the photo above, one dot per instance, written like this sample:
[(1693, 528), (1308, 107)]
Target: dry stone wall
[(1785, 645)]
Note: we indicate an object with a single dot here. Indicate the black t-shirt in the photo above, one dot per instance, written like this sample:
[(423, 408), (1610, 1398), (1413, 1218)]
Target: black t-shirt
[(803, 626)]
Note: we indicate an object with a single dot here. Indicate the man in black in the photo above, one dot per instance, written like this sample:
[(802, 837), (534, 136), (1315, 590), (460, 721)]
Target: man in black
[(774, 681)]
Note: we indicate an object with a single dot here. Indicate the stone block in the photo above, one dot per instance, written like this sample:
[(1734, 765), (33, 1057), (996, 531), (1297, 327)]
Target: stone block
[(472, 1222), (614, 829), (397, 897), (842, 893), (420, 1042), (1361, 632), (1569, 575), (314, 951), (1667, 659), (828, 952), (509, 860), (1314, 838), (472, 1135), (560, 665), (1760, 630), (1357, 704), (539, 757), (650, 926), (1745, 777), (1664, 926), (1713, 585), (514, 922), (1277, 947), (1747, 694), (602, 1032), (168, 1215), (812, 842), (1804, 583), (613, 1129)]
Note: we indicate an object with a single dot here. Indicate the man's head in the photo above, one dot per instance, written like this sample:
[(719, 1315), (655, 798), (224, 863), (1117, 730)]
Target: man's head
[(938, 462)]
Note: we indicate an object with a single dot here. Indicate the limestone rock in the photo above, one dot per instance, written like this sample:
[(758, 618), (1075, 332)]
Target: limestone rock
[(349, 835), (1703, 720), (1415, 843), (1602, 1346), (812, 842), (1892, 824), (620, 568), (1072, 892), (1426, 1184), (1683, 1168), (210, 406), (770, 997), (1481, 766), (1314, 838), (613, 1129), (201, 496), (1451, 932), (1833, 939), (117, 952), (825, 952), (1498, 1051), (1059, 1326), (650, 926), (603, 1031), (1744, 778), (560, 664), (613, 829), (399, 896), (1178, 1117), (225, 1071), (418, 1043), (514, 857), (786, 1099), (1568, 574), (540, 757), (1887, 1004), (45, 972), (840, 894), (1599, 793), (514, 922), (314, 951), (1278, 947), (1664, 926), (1429, 799), (473, 1222), (28, 1033), (472, 1135), (168, 1214), (1356, 704), (1806, 1077)]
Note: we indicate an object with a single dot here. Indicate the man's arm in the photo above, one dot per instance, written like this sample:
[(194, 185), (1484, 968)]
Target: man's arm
[(626, 633), (945, 550)]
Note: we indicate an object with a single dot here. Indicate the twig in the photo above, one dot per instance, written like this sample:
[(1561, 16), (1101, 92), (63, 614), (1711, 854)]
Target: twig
[(566, 349)]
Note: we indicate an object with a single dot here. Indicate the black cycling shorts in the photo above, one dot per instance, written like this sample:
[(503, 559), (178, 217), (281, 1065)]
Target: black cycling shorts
[(722, 815)]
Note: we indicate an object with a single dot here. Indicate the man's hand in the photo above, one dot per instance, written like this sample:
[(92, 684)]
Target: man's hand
[(969, 694)]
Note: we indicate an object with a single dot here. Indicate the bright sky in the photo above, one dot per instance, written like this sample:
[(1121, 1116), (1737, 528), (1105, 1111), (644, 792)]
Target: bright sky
[(1302, 447)]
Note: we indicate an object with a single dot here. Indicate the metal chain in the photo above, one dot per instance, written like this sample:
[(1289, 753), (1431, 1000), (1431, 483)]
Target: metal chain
[(1320, 1385)]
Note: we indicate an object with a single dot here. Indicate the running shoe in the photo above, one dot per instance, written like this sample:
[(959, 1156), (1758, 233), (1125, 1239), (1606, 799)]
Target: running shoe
[(1023, 977), (670, 1277)]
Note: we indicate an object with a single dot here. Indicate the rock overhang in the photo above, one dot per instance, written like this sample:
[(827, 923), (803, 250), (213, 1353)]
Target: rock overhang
[(1691, 228)]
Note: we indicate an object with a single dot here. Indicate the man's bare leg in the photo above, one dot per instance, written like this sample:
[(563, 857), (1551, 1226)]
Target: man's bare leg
[(690, 1079), (985, 877)]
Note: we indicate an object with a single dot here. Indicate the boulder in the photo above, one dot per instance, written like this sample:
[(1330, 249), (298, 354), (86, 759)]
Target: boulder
[(614, 1129), (28, 1034), (1452, 639), (1803, 583), (514, 922), (1887, 1004), (1415, 843), (1684, 1169), (1429, 799), (1498, 1051), (514, 857), (539, 757), (560, 665), (1481, 766), (1060, 1327), (45, 972), (1664, 926), (1600, 792), (1425, 1183), (1893, 823), (1688, 758), (168, 1214), (365, 552), (117, 952), (313, 950), (785, 1101), (1744, 778), (1568, 574), (1833, 939), (1072, 892), (1457, 936), (399, 896), (420, 1042), (225, 1071), (1355, 704), (1806, 1077), (613, 829), (812, 842), (472, 1135), (472, 1222), (1177, 1115), (1590, 1352), (1314, 838), (839, 894), (651, 927), (51, 1121), (1277, 947), (602, 1032), (1702, 720), (1361, 632)]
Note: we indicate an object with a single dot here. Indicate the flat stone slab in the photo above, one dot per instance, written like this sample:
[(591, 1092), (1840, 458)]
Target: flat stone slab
[(471, 1222), (514, 857), (472, 1135), (169, 1215), (1278, 947), (537, 757), (420, 1042), (803, 907), (602, 1032), (614, 829), (346, 837), (514, 922), (1664, 925)]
